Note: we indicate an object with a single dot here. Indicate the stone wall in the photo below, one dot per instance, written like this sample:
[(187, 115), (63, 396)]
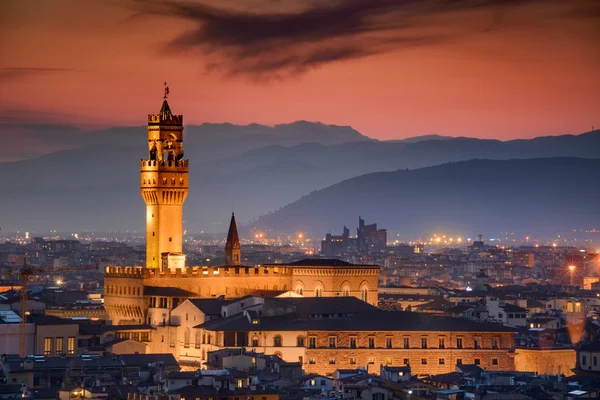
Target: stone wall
[(546, 361), (324, 360)]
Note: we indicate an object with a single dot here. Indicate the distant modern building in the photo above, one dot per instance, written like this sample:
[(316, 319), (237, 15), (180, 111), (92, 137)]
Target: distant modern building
[(368, 239)]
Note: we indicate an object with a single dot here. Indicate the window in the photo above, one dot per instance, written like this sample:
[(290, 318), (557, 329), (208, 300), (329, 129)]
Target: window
[(345, 291), (277, 341), (332, 361), (477, 361), (59, 345), (442, 343), (406, 361), (311, 361), (424, 361), (332, 342), (47, 346), (300, 341), (240, 383), (459, 361), (424, 343), (186, 338), (583, 360), (71, 345), (352, 360), (407, 343), (494, 361), (495, 342), (364, 294), (595, 361), (312, 342), (388, 343), (477, 343), (353, 342), (442, 361), (318, 292), (459, 343), (371, 342), (388, 361)]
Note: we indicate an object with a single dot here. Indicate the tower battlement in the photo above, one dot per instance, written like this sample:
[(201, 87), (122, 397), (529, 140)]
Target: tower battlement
[(165, 119), (155, 165), (125, 272)]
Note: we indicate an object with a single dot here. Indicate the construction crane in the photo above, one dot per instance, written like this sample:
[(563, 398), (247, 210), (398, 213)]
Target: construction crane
[(24, 275)]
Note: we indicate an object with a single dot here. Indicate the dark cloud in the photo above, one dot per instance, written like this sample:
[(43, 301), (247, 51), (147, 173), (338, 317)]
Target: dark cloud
[(7, 74), (293, 40)]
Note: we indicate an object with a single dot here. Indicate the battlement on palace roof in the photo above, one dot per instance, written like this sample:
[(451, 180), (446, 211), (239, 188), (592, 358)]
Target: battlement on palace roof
[(197, 271)]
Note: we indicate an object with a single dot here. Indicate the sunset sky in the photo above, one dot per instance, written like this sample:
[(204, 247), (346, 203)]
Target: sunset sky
[(389, 68)]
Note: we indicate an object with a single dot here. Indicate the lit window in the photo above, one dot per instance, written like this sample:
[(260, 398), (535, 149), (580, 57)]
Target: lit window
[(47, 346), (59, 345), (71, 345)]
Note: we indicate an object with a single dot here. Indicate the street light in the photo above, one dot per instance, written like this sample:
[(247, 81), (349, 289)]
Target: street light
[(572, 271)]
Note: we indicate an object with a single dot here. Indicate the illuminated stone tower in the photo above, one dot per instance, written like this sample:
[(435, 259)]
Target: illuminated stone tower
[(164, 187)]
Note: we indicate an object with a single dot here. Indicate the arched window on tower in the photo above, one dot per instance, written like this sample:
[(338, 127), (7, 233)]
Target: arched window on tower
[(345, 291)]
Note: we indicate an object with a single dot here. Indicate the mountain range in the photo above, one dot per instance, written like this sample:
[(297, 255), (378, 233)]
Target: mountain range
[(545, 195), (253, 169)]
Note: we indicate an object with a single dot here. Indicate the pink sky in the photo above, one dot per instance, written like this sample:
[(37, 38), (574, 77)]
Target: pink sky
[(534, 73)]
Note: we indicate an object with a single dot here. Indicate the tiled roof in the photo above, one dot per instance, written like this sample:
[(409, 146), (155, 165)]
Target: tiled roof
[(208, 306), (372, 320), (167, 292)]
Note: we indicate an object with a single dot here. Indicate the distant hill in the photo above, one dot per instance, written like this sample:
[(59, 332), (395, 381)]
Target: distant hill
[(206, 141), (415, 139), (97, 186), (536, 195)]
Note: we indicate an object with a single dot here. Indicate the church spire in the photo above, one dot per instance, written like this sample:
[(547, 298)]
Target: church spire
[(232, 248)]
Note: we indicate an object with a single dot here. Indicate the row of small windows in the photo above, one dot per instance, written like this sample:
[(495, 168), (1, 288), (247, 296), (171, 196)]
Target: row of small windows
[(364, 292), (164, 181), (406, 361), (124, 290), (389, 342)]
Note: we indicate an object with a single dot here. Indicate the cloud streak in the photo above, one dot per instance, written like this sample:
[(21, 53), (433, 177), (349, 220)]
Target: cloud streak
[(288, 41), (9, 74)]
